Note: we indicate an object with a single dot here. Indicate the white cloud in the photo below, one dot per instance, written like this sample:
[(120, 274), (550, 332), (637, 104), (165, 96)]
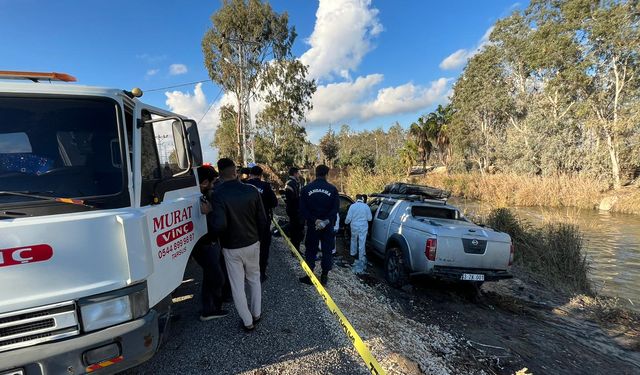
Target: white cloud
[(341, 37), (459, 58), (455, 60), (177, 69), (359, 100), (152, 72), (194, 105), (151, 59)]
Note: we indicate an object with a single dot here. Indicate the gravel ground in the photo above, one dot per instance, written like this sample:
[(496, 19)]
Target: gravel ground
[(297, 335)]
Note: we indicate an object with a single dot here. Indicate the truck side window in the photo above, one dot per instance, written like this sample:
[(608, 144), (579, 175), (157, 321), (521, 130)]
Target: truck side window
[(150, 161), (373, 206), (160, 164), (385, 209)]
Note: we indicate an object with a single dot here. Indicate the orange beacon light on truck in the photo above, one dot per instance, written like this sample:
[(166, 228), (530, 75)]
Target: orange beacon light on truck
[(37, 76)]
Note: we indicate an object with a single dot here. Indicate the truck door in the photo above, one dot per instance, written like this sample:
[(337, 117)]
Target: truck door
[(168, 195), (380, 226)]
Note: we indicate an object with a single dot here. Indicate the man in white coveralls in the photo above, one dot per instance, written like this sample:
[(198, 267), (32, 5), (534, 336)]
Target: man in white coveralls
[(358, 217)]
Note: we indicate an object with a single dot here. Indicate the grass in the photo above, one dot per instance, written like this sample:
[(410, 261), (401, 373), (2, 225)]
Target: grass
[(505, 190), (553, 253), (360, 181)]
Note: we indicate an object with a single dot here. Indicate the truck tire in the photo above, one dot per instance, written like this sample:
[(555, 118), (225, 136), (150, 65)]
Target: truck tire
[(394, 268)]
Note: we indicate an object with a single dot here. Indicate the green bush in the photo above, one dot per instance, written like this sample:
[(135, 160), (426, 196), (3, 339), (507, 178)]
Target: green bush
[(553, 253)]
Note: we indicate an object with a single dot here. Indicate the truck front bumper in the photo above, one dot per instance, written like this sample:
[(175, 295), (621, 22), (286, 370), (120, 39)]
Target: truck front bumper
[(137, 340), (455, 273)]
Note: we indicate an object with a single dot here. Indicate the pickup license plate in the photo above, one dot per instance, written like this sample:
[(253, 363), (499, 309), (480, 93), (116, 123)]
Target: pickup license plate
[(472, 277), (13, 372)]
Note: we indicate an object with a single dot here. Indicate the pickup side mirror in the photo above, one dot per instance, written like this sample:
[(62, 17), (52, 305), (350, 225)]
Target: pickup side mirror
[(194, 142)]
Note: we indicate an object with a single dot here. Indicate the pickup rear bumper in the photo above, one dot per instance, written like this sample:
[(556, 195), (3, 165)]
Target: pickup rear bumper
[(137, 340), (455, 273)]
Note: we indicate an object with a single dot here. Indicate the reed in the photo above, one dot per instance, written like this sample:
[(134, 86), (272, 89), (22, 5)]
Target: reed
[(553, 253)]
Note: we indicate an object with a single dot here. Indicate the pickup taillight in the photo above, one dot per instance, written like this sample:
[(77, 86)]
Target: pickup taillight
[(431, 248), (512, 252)]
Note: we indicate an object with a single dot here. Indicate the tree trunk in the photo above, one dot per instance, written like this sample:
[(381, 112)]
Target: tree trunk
[(239, 133), (615, 161)]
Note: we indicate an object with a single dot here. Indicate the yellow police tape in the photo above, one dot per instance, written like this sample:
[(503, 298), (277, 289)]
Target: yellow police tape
[(351, 333)]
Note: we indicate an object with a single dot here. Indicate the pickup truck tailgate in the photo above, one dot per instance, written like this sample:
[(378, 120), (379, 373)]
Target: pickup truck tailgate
[(472, 247)]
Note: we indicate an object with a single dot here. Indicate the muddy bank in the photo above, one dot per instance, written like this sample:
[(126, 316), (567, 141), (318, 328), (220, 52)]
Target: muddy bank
[(500, 329)]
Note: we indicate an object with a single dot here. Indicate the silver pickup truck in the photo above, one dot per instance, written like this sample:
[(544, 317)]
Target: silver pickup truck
[(416, 235)]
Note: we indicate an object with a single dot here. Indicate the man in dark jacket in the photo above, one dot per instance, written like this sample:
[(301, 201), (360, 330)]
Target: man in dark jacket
[(239, 220), (319, 205), (269, 201), (206, 253), (292, 199)]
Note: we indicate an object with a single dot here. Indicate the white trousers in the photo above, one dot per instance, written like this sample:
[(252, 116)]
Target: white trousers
[(358, 243), (244, 264)]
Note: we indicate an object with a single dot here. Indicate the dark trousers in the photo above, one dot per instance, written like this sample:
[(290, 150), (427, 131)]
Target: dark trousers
[(265, 244), (327, 241), (208, 256), (296, 230)]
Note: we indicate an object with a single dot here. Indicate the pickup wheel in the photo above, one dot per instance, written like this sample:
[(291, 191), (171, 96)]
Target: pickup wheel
[(394, 268)]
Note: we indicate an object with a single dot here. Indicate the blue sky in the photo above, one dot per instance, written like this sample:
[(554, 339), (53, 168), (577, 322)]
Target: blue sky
[(376, 61)]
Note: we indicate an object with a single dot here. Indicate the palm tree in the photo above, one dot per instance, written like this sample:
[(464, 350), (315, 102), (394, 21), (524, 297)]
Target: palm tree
[(408, 155), (442, 118), (424, 131)]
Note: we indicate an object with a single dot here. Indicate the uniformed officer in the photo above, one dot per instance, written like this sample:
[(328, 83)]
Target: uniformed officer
[(269, 201), (292, 200), (319, 204)]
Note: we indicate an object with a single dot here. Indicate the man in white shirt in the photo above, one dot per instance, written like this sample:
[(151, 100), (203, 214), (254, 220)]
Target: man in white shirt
[(358, 217)]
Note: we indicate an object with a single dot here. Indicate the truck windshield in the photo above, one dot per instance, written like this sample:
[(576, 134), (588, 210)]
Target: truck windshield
[(60, 147)]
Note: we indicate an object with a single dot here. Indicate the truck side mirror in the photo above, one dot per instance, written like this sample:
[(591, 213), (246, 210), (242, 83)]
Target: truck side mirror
[(180, 143), (194, 142)]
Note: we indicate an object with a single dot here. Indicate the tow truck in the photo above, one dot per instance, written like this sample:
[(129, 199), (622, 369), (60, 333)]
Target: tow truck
[(99, 212)]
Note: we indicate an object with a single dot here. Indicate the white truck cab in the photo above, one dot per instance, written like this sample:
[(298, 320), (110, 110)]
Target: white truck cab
[(99, 212)]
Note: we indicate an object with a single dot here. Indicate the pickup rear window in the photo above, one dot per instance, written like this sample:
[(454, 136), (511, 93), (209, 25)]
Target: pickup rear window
[(435, 212)]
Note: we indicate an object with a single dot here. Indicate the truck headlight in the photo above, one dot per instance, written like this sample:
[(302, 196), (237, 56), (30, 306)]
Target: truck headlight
[(111, 308)]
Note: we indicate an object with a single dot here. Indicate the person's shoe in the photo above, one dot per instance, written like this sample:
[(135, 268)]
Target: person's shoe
[(334, 251), (263, 277), (257, 320), (324, 279), (214, 315), (248, 328), (306, 280)]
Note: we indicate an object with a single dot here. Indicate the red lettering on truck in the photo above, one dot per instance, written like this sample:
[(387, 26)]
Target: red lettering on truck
[(171, 218), (25, 254), (175, 233)]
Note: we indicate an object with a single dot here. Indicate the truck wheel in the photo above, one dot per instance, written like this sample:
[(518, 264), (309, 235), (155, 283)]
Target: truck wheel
[(394, 268)]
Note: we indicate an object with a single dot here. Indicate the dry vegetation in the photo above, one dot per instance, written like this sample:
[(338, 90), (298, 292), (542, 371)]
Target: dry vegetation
[(553, 253), (504, 190)]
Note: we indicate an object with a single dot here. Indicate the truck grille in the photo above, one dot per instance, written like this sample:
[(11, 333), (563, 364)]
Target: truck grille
[(37, 325)]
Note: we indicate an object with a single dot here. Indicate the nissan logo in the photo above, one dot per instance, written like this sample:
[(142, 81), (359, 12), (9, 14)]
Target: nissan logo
[(474, 242)]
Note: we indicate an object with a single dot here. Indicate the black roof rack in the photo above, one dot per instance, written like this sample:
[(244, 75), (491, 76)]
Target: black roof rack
[(413, 191), (411, 197)]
